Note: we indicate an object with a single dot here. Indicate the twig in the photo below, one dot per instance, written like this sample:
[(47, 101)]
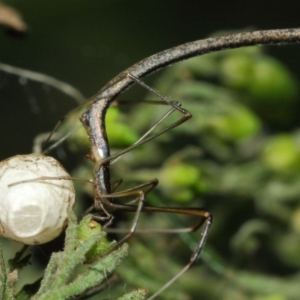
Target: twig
[(39, 77), (165, 58)]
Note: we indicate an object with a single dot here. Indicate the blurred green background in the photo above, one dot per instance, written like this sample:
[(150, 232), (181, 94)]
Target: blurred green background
[(240, 152)]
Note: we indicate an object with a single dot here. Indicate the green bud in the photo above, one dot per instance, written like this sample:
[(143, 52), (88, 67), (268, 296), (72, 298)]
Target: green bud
[(272, 297), (295, 220), (272, 81), (112, 115), (261, 76), (88, 227), (281, 154), (180, 195), (119, 134), (180, 175), (236, 70), (179, 181), (236, 124)]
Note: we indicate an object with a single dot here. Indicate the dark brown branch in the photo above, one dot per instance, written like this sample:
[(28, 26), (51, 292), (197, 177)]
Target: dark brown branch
[(188, 50)]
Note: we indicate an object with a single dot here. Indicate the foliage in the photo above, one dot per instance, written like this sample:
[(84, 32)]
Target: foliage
[(63, 279)]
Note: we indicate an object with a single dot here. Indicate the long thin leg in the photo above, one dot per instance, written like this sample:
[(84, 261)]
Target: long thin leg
[(205, 219), (140, 200), (60, 121), (193, 258), (146, 137), (45, 178)]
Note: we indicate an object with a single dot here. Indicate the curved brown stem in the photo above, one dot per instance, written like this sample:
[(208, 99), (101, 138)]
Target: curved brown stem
[(94, 117)]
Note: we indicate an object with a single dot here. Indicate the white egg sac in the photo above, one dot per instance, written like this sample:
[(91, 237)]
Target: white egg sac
[(34, 212)]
